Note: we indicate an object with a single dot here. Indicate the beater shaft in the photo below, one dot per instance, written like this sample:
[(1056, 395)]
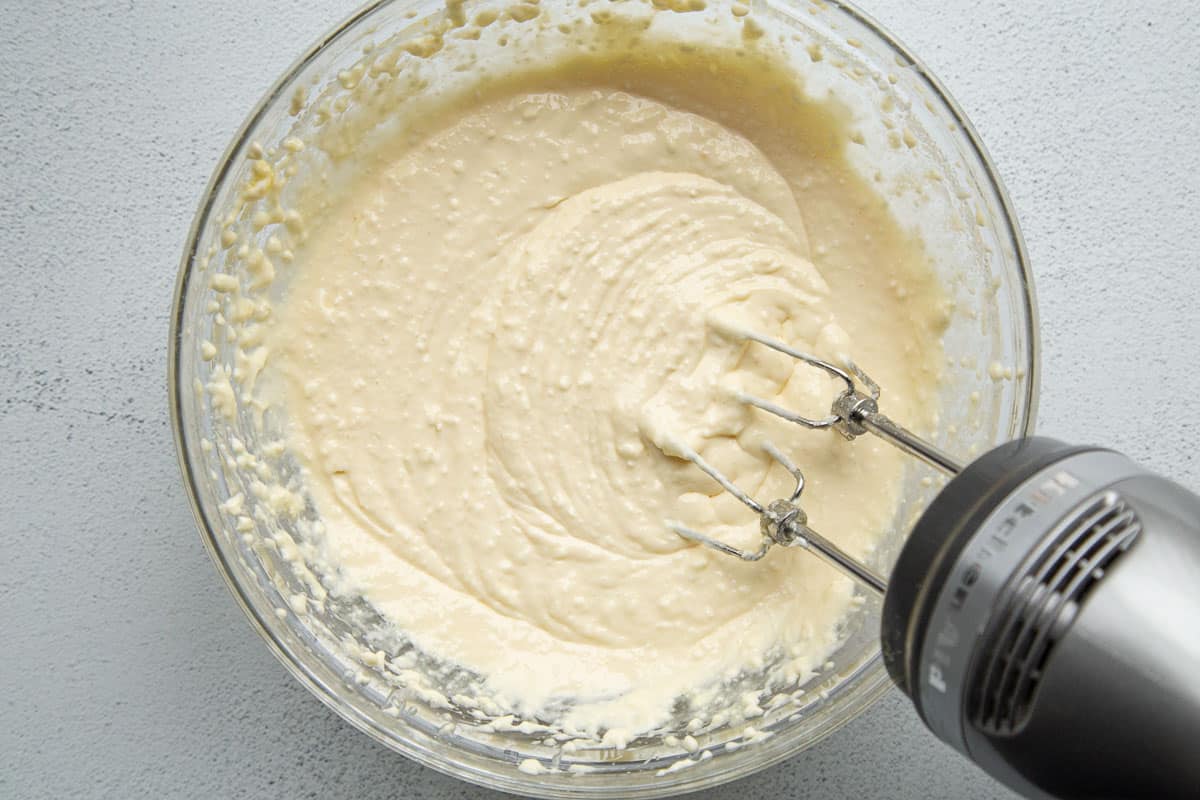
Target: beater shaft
[(837, 557), (909, 442)]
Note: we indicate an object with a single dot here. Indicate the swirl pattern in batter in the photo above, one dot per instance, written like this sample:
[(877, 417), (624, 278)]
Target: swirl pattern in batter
[(492, 351)]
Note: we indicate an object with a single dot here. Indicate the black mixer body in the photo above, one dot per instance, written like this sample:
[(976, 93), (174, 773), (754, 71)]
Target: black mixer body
[(1044, 618)]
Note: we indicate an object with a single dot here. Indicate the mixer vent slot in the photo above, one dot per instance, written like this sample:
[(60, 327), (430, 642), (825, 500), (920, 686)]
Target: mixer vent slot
[(1045, 602)]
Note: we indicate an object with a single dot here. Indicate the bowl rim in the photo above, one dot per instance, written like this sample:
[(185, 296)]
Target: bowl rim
[(870, 672)]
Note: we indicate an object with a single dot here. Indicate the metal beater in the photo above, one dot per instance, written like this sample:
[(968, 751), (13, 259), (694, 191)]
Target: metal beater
[(855, 411)]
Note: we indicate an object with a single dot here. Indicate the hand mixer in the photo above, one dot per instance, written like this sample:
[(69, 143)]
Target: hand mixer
[(1043, 615)]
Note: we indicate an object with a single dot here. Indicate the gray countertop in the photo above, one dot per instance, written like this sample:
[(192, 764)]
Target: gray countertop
[(127, 668)]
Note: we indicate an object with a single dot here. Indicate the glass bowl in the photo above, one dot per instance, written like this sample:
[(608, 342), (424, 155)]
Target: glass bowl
[(340, 649)]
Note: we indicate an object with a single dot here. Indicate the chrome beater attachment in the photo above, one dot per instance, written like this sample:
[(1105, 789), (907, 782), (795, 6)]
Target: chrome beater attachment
[(854, 411), (783, 522)]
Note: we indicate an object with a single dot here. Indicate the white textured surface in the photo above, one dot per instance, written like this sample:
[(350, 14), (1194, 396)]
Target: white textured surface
[(126, 668)]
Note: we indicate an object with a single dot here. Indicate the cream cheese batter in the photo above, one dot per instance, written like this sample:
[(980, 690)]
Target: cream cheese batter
[(492, 348)]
